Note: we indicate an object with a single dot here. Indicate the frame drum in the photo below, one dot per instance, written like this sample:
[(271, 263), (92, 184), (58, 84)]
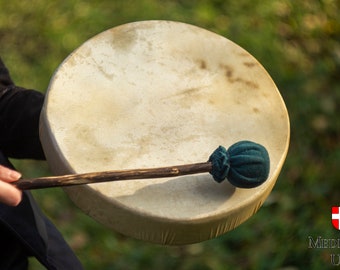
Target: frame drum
[(160, 93)]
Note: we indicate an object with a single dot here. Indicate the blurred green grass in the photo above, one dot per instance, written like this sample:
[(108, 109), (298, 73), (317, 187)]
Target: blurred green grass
[(296, 41)]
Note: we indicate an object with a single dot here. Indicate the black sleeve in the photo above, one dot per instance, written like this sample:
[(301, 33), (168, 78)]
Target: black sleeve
[(19, 122)]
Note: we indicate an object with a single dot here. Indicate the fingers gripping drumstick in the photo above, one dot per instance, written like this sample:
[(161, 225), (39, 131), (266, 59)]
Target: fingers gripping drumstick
[(245, 164)]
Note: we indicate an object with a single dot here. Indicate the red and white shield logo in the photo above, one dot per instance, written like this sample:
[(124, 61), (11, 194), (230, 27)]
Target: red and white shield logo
[(336, 217)]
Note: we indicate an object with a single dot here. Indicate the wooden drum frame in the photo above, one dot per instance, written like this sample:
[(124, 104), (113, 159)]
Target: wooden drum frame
[(160, 93)]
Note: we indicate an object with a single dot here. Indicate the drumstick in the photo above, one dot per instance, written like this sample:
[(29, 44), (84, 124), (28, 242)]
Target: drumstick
[(245, 164)]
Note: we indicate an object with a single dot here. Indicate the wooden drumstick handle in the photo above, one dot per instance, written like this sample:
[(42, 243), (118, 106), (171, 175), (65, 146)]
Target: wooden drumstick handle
[(245, 164), (108, 176)]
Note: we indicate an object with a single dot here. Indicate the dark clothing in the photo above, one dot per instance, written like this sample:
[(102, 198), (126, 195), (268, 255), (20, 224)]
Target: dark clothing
[(25, 230)]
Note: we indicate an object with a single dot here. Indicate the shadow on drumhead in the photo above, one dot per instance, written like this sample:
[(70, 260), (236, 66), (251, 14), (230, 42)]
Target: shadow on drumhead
[(181, 198)]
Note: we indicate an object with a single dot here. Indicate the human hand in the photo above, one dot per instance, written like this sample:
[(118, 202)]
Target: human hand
[(9, 194)]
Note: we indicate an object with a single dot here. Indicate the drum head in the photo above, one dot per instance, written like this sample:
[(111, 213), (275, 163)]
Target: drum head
[(159, 93)]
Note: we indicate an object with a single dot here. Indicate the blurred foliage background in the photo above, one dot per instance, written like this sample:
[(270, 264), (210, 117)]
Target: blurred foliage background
[(296, 41)]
